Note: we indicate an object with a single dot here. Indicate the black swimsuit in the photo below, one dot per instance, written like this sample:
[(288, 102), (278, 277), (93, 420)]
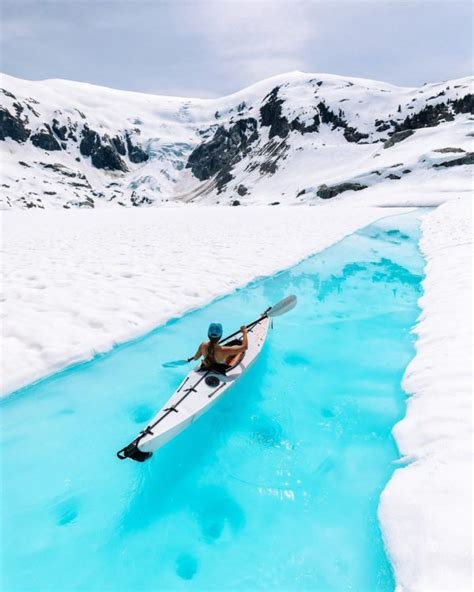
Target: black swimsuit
[(219, 367)]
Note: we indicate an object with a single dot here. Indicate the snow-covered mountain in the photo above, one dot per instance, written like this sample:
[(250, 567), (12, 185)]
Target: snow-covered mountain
[(294, 138)]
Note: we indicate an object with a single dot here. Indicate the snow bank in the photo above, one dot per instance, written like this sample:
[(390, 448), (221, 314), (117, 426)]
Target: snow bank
[(426, 508), (79, 282)]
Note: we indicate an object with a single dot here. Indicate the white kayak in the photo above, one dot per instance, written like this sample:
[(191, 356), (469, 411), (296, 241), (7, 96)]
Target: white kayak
[(200, 390)]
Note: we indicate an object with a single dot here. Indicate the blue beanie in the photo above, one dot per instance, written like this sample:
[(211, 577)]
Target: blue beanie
[(215, 331)]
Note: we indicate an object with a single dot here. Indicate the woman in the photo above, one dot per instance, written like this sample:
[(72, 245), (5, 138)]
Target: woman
[(221, 357)]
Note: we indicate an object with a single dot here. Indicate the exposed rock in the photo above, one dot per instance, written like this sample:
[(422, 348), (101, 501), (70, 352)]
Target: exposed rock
[(433, 115), (275, 203), (60, 130), (103, 156), (444, 150), (90, 141), (302, 192), (44, 139), (269, 167), (468, 159), (12, 127), (58, 168), (398, 137), (351, 134), (8, 93), (242, 190), (236, 202), (135, 153), (226, 148), (393, 177), (106, 157), (463, 105), (223, 178), (24, 164), (119, 145), (271, 115), (306, 129), (141, 200), (325, 192)]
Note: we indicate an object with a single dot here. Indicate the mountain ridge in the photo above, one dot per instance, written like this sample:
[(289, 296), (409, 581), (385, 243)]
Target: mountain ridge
[(293, 138)]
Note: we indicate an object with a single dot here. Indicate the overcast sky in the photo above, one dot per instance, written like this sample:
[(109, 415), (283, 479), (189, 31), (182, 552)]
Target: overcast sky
[(209, 48)]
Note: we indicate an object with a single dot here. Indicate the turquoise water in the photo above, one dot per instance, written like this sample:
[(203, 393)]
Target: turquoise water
[(275, 488)]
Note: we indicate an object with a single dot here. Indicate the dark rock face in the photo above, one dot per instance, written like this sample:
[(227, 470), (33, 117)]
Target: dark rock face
[(236, 202), (12, 127), (398, 137), (90, 141), (119, 145), (141, 200), (61, 131), (468, 159), (325, 192), (242, 190), (271, 115), (464, 104), (433, 115), (135, 153), (447, 150), (306, 129), (45, 140), (351, 134), (226, 148), (103, 156), (106, 157), (393, 177)]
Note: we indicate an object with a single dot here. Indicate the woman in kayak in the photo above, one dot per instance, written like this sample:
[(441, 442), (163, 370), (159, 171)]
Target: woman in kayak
[(221, 357)]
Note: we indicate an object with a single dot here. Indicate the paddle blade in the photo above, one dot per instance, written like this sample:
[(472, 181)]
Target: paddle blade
[(283, 306), (174, 363)]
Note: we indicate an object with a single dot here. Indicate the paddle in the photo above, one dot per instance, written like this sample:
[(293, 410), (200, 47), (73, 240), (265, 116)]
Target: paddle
[(276, 310)]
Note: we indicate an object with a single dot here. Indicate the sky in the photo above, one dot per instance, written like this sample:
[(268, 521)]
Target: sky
[(211, 48)]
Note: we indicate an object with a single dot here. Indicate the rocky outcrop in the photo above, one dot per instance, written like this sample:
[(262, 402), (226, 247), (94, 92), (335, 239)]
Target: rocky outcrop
[(448, 149), (44, 139), (226, 148), (467, 159), (326, 192), (12, 127), (90, 141), (433, 115), (351, 134), (271, 115), (119, 145), (61, 131), (135, 153), (106, 157), (398, 137), (103, 155)]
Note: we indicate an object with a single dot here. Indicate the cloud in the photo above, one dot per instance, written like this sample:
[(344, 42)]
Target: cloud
[(255, 39)]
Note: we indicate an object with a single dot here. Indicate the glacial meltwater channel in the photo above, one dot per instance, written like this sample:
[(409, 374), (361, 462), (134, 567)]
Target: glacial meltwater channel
[(275, 488)]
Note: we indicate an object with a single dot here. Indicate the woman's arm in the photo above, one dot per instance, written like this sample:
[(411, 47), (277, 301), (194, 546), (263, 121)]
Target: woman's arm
[(236, 349)]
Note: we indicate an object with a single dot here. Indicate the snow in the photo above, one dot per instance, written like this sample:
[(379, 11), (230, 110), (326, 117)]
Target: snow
[(426, 508), (78, 282), (169, 128)]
